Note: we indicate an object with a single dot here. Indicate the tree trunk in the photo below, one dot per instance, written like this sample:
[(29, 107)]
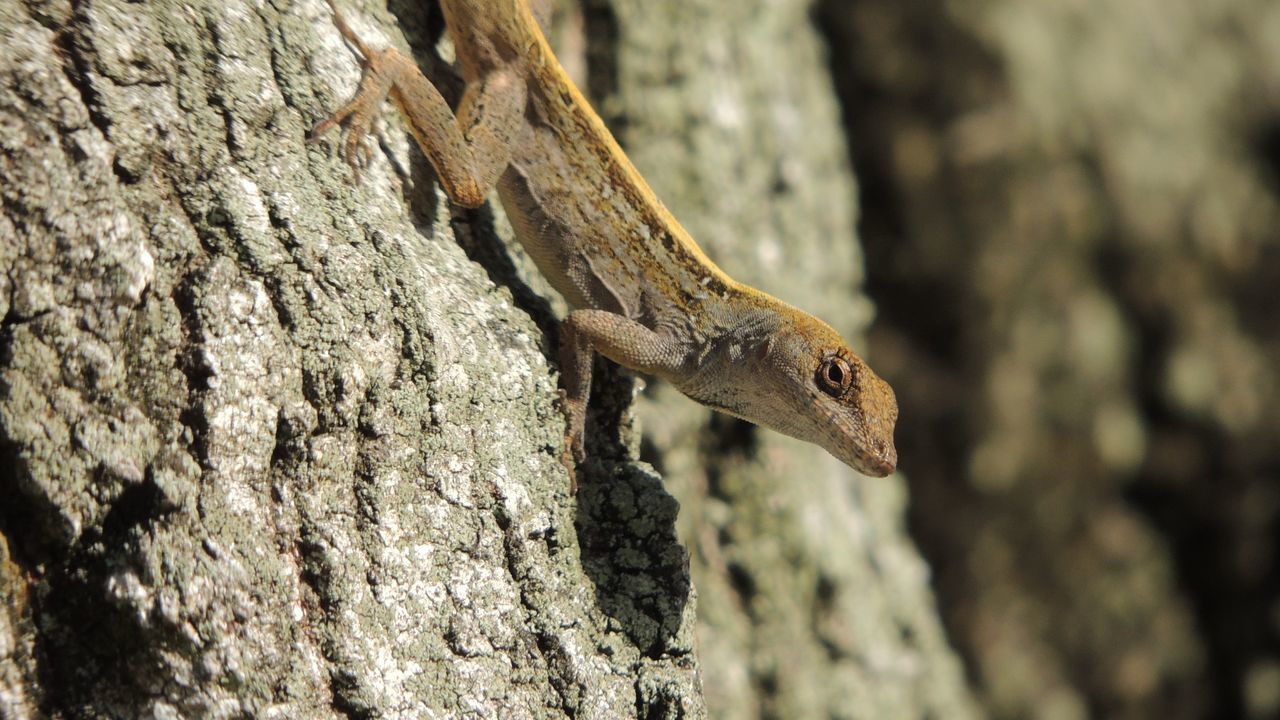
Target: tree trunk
[(282, 442)]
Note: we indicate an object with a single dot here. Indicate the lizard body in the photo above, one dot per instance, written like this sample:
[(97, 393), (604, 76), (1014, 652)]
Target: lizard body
[(643, 293)]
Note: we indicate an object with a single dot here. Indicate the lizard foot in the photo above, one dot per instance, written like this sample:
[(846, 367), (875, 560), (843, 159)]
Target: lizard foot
[(358, 115)]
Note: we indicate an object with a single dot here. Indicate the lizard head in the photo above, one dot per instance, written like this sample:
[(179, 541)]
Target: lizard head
[(813, 387)]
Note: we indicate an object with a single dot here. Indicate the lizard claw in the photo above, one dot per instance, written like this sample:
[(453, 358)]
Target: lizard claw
[(355, 152)]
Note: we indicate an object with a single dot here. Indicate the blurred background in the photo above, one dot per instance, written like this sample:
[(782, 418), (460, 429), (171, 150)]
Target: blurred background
[(1070, 215)]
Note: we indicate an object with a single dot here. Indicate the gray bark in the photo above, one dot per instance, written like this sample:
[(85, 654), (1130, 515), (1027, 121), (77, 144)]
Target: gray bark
[(275, 445)]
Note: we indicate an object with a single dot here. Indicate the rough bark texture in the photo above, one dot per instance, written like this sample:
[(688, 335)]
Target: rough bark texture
[(274, 443), (1073, 232)]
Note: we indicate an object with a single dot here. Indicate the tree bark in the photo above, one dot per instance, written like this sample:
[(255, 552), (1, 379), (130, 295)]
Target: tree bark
[(278, 442)]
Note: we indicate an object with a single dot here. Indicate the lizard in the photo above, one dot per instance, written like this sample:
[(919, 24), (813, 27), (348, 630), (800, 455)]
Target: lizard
[(641, 291)]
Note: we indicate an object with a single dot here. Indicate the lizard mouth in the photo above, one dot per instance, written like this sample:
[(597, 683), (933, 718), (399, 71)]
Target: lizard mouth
[(881, 465), (871, 454), (877, 461)]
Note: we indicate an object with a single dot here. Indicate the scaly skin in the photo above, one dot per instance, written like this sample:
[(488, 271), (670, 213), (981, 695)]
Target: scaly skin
[(644, 294)]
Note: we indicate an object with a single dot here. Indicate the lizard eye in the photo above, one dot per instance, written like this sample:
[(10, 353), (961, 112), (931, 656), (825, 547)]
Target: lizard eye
[(834, 376)]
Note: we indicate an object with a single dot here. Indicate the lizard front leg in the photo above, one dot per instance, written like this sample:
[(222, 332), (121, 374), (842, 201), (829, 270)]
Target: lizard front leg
[(623, 341), (469, 151)]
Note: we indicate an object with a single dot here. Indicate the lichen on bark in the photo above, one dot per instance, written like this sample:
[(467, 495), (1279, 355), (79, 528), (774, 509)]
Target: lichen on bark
[(280, 443)]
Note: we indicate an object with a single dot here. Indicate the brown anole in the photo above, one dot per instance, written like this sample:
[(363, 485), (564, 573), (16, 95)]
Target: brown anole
[(643, 293)]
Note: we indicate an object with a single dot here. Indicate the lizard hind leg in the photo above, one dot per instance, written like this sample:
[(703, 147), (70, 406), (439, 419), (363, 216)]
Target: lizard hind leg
[(340, 22), (375, 84), (358, 115), (469, 151)]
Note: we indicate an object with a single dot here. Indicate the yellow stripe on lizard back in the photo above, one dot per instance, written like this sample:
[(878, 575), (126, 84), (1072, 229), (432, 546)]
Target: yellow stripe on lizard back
[(573, 103)]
